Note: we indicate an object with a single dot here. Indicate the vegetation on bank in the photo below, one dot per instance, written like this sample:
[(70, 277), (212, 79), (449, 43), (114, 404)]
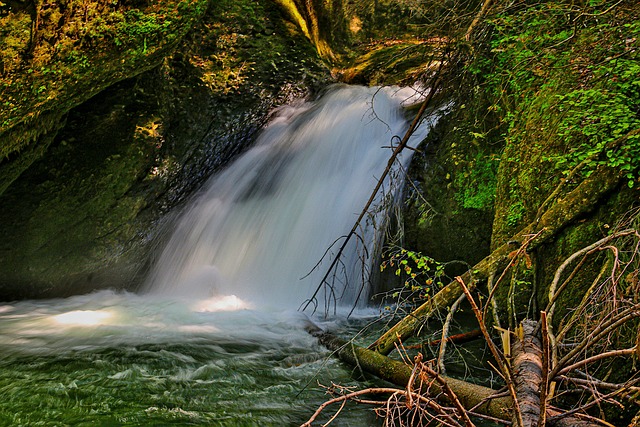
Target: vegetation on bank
[(542, 137), (63, 53), (565, 82)]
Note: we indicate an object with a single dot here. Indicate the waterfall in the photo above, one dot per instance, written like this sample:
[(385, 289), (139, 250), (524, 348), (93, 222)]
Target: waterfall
[(254, 234)]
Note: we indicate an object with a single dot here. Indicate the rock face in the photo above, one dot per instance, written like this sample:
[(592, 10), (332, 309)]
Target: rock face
[(89, 171), (56, 55), (534, 113)]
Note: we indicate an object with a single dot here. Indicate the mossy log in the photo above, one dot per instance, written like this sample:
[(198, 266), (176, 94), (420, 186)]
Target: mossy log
[(581, 200), (470, 395), (478, 397)]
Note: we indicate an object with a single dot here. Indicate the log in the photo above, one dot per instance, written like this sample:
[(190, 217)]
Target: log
[(478, 397), (470, 395), (581, 200), (526, 354)]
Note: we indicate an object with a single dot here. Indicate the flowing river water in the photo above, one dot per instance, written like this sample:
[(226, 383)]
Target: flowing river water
[(215, 336)]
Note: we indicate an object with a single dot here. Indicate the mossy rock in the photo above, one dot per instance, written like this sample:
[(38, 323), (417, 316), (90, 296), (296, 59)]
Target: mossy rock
[(86, 214), (58, 55), (450, 216)]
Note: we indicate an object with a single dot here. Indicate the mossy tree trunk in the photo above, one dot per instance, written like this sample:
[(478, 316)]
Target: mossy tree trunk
[(584, 198)]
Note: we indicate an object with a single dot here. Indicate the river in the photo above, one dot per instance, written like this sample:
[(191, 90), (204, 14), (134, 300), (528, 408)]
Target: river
[(215, 336)]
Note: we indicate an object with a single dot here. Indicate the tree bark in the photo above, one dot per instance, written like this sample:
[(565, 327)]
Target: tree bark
[(581, 200), (527, 373)]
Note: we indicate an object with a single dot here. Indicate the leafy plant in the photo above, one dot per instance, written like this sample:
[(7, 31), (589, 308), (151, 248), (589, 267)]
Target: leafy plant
[(421, 273), (566, 80)]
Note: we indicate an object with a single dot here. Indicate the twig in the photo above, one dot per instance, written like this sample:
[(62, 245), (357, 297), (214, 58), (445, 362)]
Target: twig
[(456, 339), (585, 300), (450, 394), (554, 292), (628, 386), (613, 353), (445, 332), (346, 397), (601, 330), (514, 258), (576, 411), (477, 18), (496, 354), (414, 124)]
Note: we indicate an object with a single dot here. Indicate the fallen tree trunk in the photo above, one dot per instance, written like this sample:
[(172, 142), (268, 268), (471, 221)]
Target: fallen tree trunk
[(581, 200), (526, 354), (483, 400), (470, 395)]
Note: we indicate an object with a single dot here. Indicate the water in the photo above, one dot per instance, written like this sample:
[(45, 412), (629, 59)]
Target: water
[(123, 359), (258, 228), (216, 338)]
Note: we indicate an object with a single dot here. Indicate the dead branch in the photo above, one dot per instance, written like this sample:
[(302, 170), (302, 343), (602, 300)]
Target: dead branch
[(601, 330), (527, 373), (583, 362), (477, 18), (344, 398), (456, 339), (434, 86), (472, 397), (498, 357), (554, 291), (565, 327), (592, 382), (447, 390), (445, 332)]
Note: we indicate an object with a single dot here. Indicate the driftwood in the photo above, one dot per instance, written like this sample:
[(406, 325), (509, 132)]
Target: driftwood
[(480, 399), (581, 200), (526, 354)]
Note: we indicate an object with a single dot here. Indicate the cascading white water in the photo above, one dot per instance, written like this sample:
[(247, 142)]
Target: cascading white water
[(259, 227), (185, 352)]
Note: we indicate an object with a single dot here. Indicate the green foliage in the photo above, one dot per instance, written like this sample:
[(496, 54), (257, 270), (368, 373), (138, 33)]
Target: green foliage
[(570, 75), (516, 209), (477, 186), (421, 274), (515, 213), (594, 119), (139, 27)]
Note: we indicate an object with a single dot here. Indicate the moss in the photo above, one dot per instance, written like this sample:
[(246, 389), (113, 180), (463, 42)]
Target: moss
[(83, 215), (76, 50), (398, 61), (548, 89), (477, 184), (456, 175)]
